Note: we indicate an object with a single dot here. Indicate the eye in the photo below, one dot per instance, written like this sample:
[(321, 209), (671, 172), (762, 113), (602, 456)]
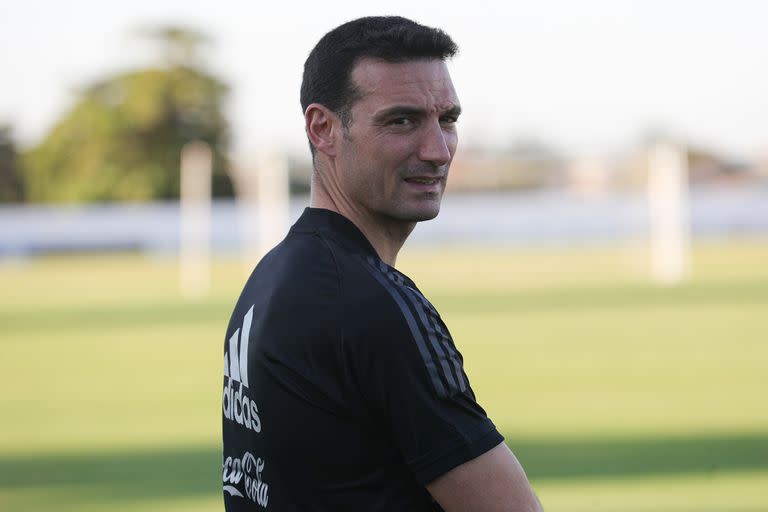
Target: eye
[(449, 119), (401, 121)]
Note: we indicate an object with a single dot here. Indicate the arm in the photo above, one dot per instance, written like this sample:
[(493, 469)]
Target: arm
[(493, 482)]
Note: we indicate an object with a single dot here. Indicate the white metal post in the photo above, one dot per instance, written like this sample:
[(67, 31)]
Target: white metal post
[(263, 203), (668, 209), (195, 206), (274, 199)]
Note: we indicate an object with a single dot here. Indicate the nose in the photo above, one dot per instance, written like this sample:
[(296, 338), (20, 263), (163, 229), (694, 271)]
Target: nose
[(437, 144)]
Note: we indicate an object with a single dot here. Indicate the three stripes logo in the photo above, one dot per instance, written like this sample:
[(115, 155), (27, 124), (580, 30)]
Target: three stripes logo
[(236, 404), (442, 360)]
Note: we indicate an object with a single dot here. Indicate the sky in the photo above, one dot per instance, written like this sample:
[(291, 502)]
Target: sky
[(585, 77)]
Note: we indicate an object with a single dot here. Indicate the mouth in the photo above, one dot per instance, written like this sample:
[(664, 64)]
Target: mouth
[(424, 180), (431, 186)]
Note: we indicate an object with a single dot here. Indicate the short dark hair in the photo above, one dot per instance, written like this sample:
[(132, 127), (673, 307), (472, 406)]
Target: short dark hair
[(328, 69)]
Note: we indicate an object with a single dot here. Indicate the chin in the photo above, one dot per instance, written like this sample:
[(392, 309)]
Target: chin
[(428, 216), (420, 214), (414, 211)]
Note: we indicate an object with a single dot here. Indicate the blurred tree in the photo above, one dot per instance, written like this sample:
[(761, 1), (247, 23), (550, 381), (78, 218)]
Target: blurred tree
[(123, 137), (11, 184)]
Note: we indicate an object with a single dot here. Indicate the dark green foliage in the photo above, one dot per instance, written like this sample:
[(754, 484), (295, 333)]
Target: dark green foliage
[(123, 137), (11, 181)]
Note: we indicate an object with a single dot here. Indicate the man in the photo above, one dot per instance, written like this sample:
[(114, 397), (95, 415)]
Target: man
[(343, 389)]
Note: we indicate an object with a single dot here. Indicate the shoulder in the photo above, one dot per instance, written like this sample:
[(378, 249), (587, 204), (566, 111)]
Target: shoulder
[(405, 302), (372, 295), (402, 329), (303, 264)]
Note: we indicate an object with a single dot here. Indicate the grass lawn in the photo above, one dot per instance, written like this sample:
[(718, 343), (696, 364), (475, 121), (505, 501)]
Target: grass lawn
[(616, 395)]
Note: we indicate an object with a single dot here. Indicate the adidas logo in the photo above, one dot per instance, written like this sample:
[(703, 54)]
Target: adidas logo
[(235, 403)]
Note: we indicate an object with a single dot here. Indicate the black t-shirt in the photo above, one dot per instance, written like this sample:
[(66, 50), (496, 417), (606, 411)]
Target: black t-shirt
[(343, 389)]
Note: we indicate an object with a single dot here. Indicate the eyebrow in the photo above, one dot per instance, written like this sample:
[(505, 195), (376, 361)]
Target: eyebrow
[(404, 110)]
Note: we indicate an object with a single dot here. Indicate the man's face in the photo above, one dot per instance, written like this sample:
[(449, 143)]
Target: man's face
[(394, 156)]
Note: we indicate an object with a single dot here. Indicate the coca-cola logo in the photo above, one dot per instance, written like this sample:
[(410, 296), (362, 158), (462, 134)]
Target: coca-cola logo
[(248, 470)]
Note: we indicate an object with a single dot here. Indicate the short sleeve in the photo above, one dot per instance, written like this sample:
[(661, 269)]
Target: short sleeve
[(413, 379)]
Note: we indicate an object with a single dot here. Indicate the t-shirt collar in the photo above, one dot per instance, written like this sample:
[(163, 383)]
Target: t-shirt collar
[(338, 226)]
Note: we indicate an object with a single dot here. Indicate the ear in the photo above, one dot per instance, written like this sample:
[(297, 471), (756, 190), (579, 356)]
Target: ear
[(322, 126)]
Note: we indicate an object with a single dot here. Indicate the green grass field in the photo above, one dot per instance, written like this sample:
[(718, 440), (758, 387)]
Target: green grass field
[(615, 394)]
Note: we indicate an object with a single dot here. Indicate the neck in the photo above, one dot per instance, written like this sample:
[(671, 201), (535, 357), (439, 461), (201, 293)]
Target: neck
[(387, 236)]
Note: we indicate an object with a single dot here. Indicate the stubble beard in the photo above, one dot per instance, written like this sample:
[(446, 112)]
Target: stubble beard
[(420, 211), (423, 209)]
